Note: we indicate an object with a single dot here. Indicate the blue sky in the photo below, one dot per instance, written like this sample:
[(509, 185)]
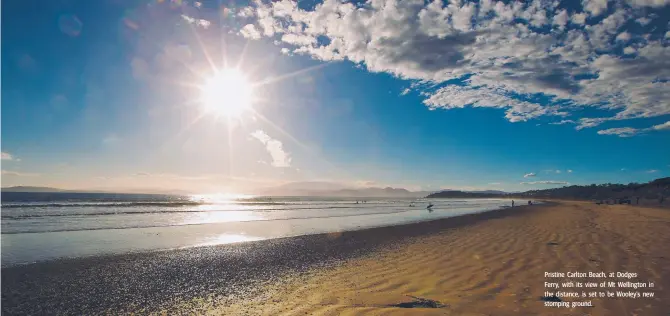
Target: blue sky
[(414, 94)]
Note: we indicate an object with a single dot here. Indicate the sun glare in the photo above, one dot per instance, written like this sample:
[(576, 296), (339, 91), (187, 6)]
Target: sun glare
[(228, 93)]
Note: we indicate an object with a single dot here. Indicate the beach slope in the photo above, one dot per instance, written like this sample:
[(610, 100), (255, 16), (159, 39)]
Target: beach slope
[(495, 267)]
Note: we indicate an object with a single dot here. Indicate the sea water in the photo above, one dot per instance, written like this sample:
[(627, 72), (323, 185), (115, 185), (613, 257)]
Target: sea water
[(43, 226)]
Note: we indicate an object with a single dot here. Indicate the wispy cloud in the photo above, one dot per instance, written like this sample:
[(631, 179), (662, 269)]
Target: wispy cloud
[(280, 158), (494, 183), (652, 171), (195, 21), (19, 174), (629, 131), (111, 139), (544, 182), (569, 170), (563, 122), (8, 156), (494, 50), (620, 131), (529, 175)]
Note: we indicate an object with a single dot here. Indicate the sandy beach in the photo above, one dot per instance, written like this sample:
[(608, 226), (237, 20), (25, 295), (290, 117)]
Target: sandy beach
[(492, 263), (495, 267)]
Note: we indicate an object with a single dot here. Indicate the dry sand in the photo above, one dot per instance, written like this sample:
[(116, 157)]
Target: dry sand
[(492, 267)]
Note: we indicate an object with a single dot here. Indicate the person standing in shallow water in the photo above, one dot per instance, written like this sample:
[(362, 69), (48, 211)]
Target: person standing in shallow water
[(512, 203)]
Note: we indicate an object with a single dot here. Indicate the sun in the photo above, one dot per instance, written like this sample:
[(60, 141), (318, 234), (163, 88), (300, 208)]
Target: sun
[(227, 93)]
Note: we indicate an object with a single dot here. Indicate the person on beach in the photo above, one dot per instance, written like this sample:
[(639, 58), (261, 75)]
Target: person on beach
[(512, 203)]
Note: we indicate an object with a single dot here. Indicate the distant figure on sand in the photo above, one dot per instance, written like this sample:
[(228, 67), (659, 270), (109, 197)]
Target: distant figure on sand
[(512, 203), (530, 202), (637, 200)]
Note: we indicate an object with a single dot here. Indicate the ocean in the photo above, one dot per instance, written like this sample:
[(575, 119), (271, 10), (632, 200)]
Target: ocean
[(45, 226)]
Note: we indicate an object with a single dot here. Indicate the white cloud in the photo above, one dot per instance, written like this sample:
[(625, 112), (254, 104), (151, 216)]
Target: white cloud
[(561, 19), (195, 21), (494, 183), (558, 171), (623, 36), (493, 47), (595, 7), (643, 21), (662, 126), (7, 156), (629, 131), (528, 175), (569, 171), (18, 174), (652, 171), (629, 50), (563, 122), (544, 182), (578, 18), (250, 31), (648, 3), (620, 131), (280, 158)]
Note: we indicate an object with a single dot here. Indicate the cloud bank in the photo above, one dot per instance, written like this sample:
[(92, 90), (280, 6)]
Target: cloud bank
[(18, 174), (544, 182), (530, 59)]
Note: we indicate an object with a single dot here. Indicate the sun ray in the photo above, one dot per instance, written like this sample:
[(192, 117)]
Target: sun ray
[(289, 75), (202, 47), (240, 62), (230, 148)]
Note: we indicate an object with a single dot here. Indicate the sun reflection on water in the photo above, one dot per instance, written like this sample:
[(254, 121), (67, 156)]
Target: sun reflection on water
[(217, 198), (222, 208), (229, 239)]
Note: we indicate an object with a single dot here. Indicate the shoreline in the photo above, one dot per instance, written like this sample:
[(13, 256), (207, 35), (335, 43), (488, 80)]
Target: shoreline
[(155, 280), (49, 244)]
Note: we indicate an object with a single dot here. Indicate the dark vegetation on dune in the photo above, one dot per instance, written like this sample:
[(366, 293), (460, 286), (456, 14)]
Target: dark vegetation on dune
[(653, 192)]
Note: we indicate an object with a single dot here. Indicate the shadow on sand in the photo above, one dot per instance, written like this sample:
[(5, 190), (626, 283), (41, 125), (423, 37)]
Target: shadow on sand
[(419, 303)]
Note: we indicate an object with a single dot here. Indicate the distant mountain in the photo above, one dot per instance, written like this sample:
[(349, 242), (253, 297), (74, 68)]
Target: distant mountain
[(336, 190), (463, 194), (488, 192), (30, 189), (376, 192)]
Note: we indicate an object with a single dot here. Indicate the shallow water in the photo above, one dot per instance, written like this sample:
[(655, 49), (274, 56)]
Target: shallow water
[(39, 227)]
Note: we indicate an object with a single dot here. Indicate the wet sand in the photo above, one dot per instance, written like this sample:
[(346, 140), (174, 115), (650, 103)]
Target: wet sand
[(480, 264)]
